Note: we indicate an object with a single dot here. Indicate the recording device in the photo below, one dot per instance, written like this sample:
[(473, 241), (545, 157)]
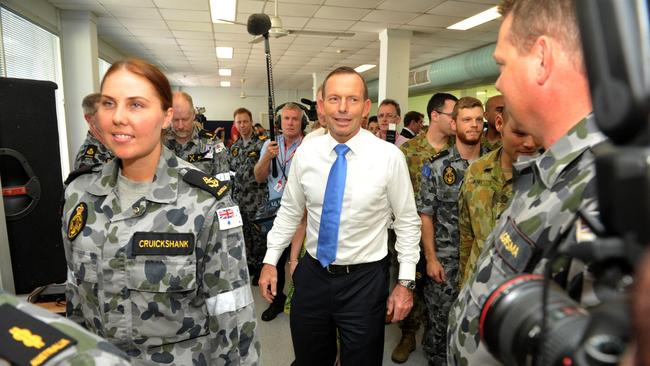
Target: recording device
[(312, 113), (259, 24), (516, 326), (391, 134)]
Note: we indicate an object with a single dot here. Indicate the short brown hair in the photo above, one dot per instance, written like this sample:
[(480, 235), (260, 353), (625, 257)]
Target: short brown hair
[(392, 102), (89, 103), (534, 18), (465, 103), (187, 97), (148, 71), (346, 70), (242, 110)]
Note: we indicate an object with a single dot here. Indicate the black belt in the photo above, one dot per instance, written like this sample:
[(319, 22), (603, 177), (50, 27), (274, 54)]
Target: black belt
[(337, 269)]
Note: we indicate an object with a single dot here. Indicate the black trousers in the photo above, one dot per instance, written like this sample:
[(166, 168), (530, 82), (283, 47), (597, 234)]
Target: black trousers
[(353, 303), (281, 268)]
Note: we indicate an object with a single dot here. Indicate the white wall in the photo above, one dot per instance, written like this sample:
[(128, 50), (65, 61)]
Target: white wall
[(219, 103)]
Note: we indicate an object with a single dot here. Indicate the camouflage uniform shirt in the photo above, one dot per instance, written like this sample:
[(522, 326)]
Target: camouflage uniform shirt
[(442, 177), (164, 280), (242, 158), (208, 155), (89, 349), (485, 193), (417, 150), (548, 192), (91, 152), (490, 146)]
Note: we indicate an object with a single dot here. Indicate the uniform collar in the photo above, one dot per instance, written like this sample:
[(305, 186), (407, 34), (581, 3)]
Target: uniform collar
[(165, 184), (568, 148)]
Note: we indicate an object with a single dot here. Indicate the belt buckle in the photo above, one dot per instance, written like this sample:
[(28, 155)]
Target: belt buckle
[(329, 270)]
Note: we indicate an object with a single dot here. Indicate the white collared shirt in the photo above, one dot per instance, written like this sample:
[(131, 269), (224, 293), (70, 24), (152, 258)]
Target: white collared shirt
[(377, 186)]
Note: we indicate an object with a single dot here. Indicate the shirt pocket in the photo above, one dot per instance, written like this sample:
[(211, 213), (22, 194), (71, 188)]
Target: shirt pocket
[(84, 283), (166, 306)]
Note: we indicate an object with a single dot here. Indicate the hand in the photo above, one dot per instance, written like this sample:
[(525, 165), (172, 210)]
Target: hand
[(268, 282), (273, 149), (292, 266), (436, 271), (400, 303)]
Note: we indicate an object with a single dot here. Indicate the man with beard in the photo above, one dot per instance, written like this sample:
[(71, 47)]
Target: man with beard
[(437, 204)]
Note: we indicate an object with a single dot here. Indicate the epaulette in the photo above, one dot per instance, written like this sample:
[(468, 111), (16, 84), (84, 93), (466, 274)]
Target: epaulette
[(207, 134), (440, 154), (206, 182), (84, 169)]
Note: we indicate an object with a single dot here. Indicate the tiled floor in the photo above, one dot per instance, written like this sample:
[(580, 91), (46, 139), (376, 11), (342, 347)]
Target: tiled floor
[(277, 350)]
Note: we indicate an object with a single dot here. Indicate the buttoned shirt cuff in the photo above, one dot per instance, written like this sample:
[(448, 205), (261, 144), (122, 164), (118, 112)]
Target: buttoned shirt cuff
[(273, 256), (406, 271)]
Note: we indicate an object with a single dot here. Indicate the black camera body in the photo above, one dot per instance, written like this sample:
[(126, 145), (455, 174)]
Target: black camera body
[(530, 320)]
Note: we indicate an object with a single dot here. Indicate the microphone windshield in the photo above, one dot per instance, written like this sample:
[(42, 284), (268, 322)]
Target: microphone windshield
[(258, 24)]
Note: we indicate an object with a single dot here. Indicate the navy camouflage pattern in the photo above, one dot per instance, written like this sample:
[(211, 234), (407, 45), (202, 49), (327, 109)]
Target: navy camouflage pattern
[(91, 152), (203, 150), (176, 304), (548, 192)]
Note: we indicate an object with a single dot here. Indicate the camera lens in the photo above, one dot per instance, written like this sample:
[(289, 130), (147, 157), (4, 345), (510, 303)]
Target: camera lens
[(511, 319)]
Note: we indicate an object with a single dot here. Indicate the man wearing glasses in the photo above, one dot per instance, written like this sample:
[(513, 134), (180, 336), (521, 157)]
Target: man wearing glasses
[(491, 137), (387, 114)]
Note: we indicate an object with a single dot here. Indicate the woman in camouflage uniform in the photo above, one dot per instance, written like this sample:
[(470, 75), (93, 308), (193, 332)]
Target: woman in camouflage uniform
[(154, 247)]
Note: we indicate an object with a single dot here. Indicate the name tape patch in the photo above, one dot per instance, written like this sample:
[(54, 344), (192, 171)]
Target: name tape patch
[(513, 247), (146, 243), (27, 340)]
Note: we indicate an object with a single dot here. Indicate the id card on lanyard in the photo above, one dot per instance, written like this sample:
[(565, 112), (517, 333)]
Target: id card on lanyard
[(283, 161)]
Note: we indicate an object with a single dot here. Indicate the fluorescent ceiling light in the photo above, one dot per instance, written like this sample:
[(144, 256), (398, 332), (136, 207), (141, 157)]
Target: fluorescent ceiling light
[(476, 20), (225, 72), (223, 11), (224, 52), (225, 84), (363, 68)]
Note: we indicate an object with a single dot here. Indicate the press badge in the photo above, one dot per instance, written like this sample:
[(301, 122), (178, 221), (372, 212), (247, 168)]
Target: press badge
[(229, 218), (223, 177), (278, 186)]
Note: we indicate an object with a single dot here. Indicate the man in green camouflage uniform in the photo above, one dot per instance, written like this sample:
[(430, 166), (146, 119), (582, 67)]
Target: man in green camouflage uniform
[(92, 151), (192, 144), (85, 348), (416, 151), (165, 278), (555, 107), (248, 194), (438, 207), (487, 189)]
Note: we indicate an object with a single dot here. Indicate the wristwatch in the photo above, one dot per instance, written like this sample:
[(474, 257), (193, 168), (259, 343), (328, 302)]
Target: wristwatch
[(409, 284)]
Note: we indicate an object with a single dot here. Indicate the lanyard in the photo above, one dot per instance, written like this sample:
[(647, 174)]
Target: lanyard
[(286, 160)]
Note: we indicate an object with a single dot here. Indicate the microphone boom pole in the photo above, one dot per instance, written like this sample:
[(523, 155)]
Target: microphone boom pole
[(271, 99)]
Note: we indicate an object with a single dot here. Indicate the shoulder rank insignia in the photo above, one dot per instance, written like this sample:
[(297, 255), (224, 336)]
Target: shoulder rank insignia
[(253, 154), (262, 137), (439, 155), (206, 182), (234, 151), (77, 221), (27, 340), (449, 175), (90, 152), (83, 169), (207, 134), (192, 158)]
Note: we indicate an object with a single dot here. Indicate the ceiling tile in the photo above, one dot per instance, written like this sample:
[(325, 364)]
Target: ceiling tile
[(249, 6), (146, 32), (227, 28), (458, 9), (184, 4), (134, 13), (368, 27), (299, 10), (329, 24), (386, 16), (128, 3), (186, 15), (334, 12), (193, 35), (177, 25), (409, 5), (365, 4), (431, 20), (157, 23)]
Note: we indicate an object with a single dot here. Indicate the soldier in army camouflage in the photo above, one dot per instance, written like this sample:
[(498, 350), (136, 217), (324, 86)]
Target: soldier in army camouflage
[(555, 107), (416, 151), (92, 150), (85, 348), (491, 139), (438, 207), (246, 191), (154, 247), (193, 144), (487, 189)]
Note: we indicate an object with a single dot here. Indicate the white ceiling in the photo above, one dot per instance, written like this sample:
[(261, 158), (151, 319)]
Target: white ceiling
[(179, 37)]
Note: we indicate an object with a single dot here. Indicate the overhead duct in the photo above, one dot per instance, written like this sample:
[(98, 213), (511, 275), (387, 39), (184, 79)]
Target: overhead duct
[(472, 67)]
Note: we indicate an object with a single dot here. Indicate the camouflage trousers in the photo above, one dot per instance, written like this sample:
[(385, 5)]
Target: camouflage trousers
[(255, 243), (438, 298), (412, 322)]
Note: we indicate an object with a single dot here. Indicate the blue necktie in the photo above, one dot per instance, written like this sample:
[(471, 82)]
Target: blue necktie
[(328, 233)]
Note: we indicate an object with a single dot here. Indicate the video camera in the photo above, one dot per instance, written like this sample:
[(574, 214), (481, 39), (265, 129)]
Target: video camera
[(516, 326)]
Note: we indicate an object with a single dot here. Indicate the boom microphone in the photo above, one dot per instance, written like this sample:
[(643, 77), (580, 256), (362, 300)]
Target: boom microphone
[(258, 24)]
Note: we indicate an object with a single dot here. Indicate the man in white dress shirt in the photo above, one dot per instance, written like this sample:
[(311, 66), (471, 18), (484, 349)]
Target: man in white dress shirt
[(348, 290)]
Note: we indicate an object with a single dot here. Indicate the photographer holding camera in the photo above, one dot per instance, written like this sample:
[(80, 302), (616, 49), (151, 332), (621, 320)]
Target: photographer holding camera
[(545, 86)]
